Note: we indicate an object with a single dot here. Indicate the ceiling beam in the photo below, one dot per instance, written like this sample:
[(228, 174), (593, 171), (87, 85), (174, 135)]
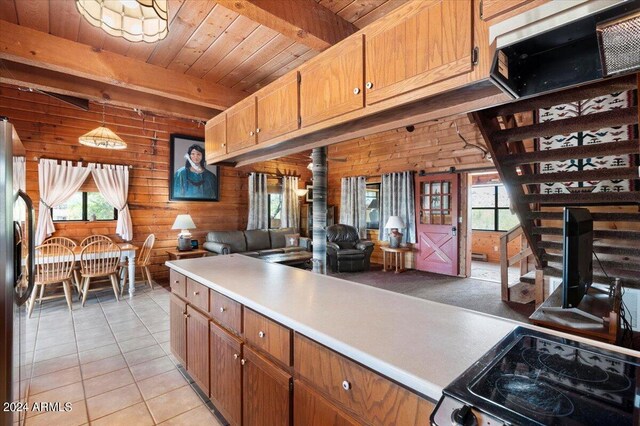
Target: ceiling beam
[(304, 21), (35, 48), (50, 81)]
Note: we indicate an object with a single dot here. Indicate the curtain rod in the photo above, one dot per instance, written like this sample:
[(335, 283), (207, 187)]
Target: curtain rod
[(36, 159), (273, 175)]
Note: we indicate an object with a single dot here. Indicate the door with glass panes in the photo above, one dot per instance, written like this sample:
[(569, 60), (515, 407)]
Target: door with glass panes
[(437, 223)]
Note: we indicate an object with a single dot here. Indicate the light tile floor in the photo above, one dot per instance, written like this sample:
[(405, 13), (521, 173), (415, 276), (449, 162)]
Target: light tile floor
[(112, 361)]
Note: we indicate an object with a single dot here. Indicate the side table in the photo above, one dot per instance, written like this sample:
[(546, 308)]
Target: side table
[(394, 255), (177, 254)]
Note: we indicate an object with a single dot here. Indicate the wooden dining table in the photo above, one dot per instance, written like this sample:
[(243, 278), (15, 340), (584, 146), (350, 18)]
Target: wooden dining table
[(127, 252)]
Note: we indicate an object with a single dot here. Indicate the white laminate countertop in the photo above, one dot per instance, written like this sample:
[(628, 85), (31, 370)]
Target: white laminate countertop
[(422, 344)]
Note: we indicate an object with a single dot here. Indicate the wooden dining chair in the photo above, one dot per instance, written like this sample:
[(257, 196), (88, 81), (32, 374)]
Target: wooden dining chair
[(142, 262), (71, 244), (97, 260), (53, 265), (93, 238)]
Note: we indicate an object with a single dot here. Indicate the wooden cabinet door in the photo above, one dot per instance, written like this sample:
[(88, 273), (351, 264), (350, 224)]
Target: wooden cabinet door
[(226, 374), (266, 392), (332, 85), (215, 137), (178, 328), (278, 110), (241, 125), (198, 348), (311, 409), (432, 45)]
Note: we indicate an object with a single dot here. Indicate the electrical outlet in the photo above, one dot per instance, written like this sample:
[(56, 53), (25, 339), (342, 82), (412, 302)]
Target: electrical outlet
[(495, 248)]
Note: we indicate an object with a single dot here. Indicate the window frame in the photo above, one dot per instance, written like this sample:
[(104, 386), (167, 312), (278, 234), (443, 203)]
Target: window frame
[(279, 194), (85, 211), (496, 209), (378, 190)]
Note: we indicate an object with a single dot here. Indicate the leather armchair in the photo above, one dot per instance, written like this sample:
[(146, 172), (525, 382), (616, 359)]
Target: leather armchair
[(346, 252)]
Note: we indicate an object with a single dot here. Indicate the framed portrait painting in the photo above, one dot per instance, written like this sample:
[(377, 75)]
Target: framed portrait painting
[(190, 179)]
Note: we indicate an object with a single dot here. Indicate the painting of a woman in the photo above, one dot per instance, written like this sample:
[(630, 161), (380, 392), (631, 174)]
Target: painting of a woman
[(193, 181)]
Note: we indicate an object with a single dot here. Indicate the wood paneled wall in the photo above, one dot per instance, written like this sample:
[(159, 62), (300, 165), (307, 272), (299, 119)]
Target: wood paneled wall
[(431, 147), (488, 242), (50, 128)]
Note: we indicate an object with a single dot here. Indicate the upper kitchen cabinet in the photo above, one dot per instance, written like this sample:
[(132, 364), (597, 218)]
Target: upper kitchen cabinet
[(215, 137), (502, 9), (278, 111), (433, 44), (241, 125), (332, 84)]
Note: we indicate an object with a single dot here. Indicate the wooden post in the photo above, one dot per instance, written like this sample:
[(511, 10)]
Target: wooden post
[(319, 160), (539, 287), (504, 268)]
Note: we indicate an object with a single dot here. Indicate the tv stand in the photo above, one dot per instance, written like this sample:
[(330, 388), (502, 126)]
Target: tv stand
[(596, 317)]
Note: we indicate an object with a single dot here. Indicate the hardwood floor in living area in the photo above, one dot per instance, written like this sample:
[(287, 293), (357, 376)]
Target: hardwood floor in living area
[(112, 361)]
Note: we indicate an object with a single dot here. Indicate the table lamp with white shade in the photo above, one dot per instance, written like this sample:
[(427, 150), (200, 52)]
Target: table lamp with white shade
[(395, 236), (184, 223)]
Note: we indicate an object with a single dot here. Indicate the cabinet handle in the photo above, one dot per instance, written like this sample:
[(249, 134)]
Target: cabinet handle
[(243, 361), (369, 85), (222, 309), (261, 334), (258, 130), (356, 91), (223, 145), (195, 293), (235, 356), (187, 315), (176, 282), (346, 385), (251, 133)]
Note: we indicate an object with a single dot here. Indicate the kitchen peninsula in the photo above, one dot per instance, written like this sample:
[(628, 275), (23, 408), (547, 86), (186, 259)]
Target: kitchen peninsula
[(297, 326)]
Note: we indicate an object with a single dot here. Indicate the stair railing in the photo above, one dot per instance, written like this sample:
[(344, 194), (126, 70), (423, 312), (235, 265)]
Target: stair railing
[(522, 256)]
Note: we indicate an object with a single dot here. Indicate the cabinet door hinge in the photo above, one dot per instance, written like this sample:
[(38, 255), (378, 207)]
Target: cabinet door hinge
[(474, 55), (299, 121), (481, 9), (299, 77)]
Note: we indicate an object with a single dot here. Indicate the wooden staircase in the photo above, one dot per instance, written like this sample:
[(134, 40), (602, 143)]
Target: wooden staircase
[(616, 214)]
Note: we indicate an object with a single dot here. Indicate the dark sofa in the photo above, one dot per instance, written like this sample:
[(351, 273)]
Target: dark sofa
[(254, 243)]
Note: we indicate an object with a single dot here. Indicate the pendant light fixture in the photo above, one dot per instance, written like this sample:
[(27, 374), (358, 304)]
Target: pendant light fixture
[(102, 137), (134, 20)]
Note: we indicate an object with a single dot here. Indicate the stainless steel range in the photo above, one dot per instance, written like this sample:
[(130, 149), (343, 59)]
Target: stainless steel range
[(532, 378)]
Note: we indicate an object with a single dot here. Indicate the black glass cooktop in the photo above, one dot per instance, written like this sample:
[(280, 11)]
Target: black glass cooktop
[(535, 378)]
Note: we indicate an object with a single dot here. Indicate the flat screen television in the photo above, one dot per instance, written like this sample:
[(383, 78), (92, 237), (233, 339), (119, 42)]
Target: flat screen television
[(577, 263)]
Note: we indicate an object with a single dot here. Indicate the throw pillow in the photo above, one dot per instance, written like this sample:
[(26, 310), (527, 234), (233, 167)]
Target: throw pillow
[(292, 240)]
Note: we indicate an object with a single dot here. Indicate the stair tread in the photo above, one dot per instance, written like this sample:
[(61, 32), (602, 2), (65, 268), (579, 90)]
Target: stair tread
[(577, 152), (580, 176), (613, 217), (607, 263), (581, 199), (597, 233), (605, 249), (616, 117)]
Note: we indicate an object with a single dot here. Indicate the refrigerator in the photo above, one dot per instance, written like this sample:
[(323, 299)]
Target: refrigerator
[(17, 342)]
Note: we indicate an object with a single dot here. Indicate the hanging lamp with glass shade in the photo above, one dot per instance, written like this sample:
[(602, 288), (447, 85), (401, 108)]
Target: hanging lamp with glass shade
[(102, 137), (134, 20)]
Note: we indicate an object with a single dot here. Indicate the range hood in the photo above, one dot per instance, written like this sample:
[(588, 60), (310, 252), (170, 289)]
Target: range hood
[(565, 43)]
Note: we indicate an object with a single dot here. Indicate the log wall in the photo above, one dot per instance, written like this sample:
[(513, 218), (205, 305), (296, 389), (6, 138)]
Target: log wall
[(50, 128), (431, 147)]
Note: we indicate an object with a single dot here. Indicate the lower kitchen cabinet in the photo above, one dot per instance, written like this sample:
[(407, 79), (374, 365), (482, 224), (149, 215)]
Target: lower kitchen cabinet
[(198, 348), (178, 328), (266, 396), (226, 373), (311, 409)]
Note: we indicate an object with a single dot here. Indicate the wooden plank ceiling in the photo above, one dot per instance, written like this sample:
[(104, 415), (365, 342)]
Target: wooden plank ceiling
[(237, 49)]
